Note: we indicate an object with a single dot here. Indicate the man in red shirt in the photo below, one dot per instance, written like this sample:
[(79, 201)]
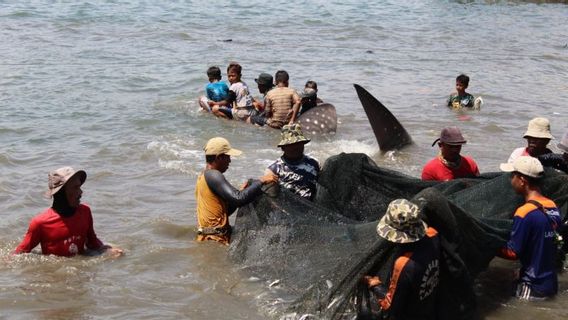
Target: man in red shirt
[(449, 164), (65, 229)]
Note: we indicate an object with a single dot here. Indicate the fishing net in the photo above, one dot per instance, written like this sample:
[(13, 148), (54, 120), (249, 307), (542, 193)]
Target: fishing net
[(318, 251)]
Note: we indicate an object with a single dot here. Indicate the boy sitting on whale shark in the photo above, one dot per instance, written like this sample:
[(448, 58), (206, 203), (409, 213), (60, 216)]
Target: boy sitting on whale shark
[(215, 91), (239, 97), (282, 104)]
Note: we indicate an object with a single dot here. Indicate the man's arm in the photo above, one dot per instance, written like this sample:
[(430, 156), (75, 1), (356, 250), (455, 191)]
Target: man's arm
[(231, 96), (31, 239), (553, 160), (296, 107), (222, 188)]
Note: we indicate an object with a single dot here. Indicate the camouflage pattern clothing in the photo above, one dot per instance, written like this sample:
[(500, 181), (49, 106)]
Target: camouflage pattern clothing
[(401, 223), (457, 102)]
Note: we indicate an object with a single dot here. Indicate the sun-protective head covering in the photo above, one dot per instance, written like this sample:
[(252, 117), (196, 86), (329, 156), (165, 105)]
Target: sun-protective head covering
[(401, 223), (451, 136), (526, 165), (539, 128), (292, 133), (216, 146), (58, 178), (265, 79)]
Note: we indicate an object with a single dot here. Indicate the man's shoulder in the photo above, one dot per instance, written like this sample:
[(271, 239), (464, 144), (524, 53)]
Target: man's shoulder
[(525, 209), (433, 163), (470, 160), (280, 91), (44, 216), (311, 160)]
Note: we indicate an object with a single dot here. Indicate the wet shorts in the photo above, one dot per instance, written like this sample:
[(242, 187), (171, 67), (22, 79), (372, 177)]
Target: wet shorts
[(243, 113), (258, 119)]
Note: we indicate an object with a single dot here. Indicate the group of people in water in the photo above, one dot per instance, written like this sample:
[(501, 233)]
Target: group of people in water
[(280, 104), (66, 228)]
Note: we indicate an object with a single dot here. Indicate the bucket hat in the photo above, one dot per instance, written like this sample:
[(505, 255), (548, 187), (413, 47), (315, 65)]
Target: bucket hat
[(292, 133), (56, 179), (218, 145), (563, 144), (265, 79), (401, 223), (526, 165), (451, 136), (539, 128)]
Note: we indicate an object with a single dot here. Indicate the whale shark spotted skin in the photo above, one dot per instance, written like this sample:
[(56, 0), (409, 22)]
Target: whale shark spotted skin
[(390, 134), (321, 119)]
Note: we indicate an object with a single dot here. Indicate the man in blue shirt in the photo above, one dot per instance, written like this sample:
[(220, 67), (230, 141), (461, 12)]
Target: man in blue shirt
[(533, 234)]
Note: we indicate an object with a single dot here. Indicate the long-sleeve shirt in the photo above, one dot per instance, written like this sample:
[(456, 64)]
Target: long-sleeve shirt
[(59, 235)]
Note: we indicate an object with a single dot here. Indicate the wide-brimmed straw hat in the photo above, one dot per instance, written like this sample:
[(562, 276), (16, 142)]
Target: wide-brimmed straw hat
[(292, 133), (56, 179), (526, 165), (563, 144), (401, 223), (218, 145), (451, 136), (539, 128)]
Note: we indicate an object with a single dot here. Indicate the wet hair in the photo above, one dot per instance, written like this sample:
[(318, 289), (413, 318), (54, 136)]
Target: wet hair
[(281, 76), (234, 66), (60, 204), (311, 84), (214, 73), (463, 79), (210, 158)]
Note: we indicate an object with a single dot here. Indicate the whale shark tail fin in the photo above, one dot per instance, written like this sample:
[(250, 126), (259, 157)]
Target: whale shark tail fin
[(390, 134)]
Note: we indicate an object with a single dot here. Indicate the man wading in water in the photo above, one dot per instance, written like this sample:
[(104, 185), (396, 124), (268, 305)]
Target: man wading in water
[(216, 198)]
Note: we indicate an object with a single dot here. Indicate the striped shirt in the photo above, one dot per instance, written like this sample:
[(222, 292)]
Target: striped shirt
[(279, 103)]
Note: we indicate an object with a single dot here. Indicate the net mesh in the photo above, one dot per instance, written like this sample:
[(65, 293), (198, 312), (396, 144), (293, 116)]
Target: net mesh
[(318, 251)]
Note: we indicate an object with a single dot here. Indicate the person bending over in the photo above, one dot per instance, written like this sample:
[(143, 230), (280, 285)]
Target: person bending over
[(296, 171), (216, 198), (411, 290)]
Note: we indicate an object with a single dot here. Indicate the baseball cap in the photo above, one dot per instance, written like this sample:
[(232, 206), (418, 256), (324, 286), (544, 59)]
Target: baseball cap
[(218, 145)]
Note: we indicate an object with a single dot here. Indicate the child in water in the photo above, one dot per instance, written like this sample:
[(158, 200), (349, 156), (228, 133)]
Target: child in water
[(215, 90), (461, 99), (239, 99), (309, 97)]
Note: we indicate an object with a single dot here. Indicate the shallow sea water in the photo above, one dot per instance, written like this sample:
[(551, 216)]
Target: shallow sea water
[(111, 87)]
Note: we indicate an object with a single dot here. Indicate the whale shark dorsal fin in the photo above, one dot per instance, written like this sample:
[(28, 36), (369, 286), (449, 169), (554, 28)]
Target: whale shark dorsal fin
[(390, 134)]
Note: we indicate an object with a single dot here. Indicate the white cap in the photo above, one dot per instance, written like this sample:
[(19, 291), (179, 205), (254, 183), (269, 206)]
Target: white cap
[(526, 165)]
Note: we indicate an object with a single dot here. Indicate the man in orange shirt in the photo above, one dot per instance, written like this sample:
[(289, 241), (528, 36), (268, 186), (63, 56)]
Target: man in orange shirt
[(216, 198)]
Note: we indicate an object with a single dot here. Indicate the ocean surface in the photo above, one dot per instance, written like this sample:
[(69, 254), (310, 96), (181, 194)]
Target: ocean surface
[(111, 87)]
